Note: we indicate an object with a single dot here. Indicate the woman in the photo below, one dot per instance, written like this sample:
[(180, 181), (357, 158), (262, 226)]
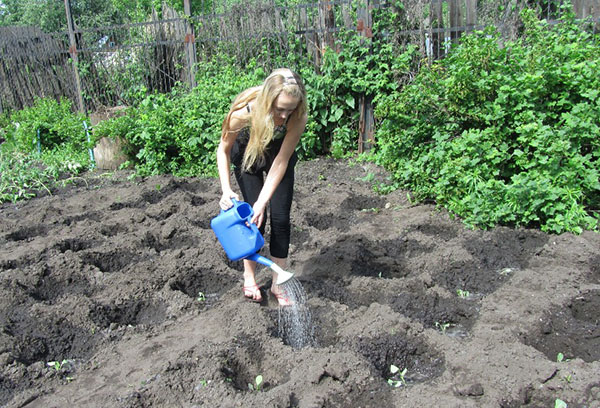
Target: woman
[(259, 136)]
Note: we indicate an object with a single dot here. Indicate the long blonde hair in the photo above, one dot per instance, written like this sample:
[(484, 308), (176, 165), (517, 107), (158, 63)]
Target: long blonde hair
[(260, 118)]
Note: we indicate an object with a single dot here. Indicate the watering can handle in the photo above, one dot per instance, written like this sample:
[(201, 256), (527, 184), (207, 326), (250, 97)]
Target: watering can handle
[(251, 225)]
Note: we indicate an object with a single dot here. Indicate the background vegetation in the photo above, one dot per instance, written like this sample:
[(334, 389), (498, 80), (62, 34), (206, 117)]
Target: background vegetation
[(49, 15), (498, 133), (503, 134)]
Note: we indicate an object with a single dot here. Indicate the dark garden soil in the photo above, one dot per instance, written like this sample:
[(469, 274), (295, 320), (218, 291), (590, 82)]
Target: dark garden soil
[(124, 285)]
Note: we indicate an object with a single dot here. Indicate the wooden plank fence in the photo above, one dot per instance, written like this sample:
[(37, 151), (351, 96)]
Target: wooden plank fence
[(116, 62)]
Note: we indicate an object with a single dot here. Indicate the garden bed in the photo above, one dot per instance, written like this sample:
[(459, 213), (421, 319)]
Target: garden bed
[(124, 287)]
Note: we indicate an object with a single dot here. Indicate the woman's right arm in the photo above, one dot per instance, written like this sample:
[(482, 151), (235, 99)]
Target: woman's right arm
[(224, 162)]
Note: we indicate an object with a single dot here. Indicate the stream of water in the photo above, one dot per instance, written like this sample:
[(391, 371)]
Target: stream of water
[(295, 323)]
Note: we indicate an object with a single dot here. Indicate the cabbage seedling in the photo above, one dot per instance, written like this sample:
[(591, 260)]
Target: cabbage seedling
[(462, 293), (442, 326), (558, 403), (401, 374), (57, 365), (257, 383)]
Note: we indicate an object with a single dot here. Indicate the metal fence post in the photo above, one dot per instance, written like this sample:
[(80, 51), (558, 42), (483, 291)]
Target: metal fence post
[(75, 59), (190, 46)]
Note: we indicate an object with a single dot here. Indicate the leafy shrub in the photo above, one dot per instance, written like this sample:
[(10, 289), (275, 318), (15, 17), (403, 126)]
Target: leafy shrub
[(178, 133), (55, 121), (503, 134), (360, 67), (25, 175)]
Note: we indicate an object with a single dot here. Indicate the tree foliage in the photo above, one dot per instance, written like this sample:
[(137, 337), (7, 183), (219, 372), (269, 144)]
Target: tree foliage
[(50, 15)]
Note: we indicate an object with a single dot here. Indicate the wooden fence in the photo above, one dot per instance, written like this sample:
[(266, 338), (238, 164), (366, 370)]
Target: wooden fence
[(109, 66)]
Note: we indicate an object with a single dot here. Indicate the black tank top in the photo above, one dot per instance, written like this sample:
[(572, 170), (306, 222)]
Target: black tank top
[(262, 163)]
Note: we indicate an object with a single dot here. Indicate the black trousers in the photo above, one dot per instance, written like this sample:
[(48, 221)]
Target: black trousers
[(251, 184)]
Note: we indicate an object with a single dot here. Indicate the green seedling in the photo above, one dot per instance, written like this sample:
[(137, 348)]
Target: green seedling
[(443, 326), (373, 210), (462, 293), (257, 383), (201, 297), (558, 403), (560, 357), (57, 365), (568, 378), (396, 371)]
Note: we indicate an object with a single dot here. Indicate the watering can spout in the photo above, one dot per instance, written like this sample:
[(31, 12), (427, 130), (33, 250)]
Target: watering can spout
[(282, 276)]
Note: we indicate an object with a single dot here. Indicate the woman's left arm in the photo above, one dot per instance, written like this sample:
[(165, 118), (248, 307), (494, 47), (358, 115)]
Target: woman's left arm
[(278, 168)]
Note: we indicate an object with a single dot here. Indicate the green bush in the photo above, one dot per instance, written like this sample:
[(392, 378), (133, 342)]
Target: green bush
[(178, 133), (24, 175), (63, 149), (55, 121), (503, 134), (360, 67)]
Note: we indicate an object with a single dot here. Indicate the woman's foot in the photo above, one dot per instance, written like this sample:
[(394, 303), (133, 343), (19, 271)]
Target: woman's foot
[(250, 288), (282, 297), (252, 292)]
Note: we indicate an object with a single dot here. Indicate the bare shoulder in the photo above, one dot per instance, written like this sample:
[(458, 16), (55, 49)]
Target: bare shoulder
[(299, 121), (239, 119)]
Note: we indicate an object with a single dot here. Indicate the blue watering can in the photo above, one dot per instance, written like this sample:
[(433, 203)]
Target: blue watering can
[(241, 239)]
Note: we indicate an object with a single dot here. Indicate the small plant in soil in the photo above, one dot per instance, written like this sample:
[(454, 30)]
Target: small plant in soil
[(201, 297), (57, 365), (373, 210), (462, 293), (257, 383), (442, 327), (558, 403), (398, 374)]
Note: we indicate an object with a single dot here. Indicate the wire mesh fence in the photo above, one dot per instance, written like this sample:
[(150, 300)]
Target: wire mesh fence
[(116, 64)]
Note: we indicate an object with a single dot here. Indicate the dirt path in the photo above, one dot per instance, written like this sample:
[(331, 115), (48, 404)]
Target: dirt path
[(124, 285)]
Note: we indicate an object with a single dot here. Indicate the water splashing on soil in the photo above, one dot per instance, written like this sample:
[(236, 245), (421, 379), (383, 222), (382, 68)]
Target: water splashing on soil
[(295, 325)]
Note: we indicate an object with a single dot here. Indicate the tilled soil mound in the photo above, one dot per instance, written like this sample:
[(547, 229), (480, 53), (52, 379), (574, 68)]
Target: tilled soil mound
[(123, 288)]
